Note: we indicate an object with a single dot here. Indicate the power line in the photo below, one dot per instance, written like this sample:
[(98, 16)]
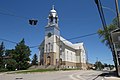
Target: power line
[(54, 42), (82, 36), (28, 18), (34, 46), (70, 39), (6, 10), (13, 15), (31, 21), (3, 12), (8, 41)]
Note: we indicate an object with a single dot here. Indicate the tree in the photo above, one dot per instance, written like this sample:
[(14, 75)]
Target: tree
[(104, 36), (21, 55), (2, 50), (102, 33), (98, 65), (11, 64), (111, 66), (35, 60), (105, 65), (9, 53)]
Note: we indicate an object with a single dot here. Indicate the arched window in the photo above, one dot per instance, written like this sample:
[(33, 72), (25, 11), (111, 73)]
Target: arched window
[(56, 20), (51, 18), (60, 61), (49, 46)]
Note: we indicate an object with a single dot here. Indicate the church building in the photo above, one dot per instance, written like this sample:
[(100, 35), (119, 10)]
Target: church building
[(57, 51)]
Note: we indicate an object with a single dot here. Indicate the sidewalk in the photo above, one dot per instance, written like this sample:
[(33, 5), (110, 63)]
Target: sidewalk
[(110, 76)]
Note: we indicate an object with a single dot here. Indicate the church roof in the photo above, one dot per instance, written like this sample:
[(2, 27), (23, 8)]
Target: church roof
[(68, 43)]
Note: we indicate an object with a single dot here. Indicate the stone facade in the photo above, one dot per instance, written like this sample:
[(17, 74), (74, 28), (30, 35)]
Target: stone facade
[(49, 59)]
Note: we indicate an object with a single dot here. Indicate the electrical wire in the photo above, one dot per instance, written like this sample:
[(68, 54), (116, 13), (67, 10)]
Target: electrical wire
[(13, 15), (82, 36), (31, 21), (71, 38), (54, 42), (8, 41), (9, 14)]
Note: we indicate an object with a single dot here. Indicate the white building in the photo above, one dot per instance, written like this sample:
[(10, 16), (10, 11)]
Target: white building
[(55, 50)]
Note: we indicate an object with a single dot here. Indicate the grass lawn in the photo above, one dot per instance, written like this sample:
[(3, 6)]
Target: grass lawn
[(39, 70), (36, 70)]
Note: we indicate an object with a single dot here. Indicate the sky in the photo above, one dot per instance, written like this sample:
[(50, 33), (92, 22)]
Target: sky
[(76, 18)]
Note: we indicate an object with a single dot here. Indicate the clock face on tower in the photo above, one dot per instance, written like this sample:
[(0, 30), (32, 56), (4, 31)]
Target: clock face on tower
[(49, 34)]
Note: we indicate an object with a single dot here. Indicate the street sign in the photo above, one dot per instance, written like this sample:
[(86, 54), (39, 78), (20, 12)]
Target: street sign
[(116, 37)]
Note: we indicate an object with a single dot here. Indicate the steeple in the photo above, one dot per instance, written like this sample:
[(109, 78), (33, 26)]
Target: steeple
[(53, 17)]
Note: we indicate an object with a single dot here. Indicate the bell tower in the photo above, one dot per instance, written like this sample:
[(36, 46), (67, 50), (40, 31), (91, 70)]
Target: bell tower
[(52, 33), (53, 17), (52, 26)]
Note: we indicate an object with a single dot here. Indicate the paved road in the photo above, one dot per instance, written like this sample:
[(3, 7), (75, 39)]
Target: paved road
[(58, 75)]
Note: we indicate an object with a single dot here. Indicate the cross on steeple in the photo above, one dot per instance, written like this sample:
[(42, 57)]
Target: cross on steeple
[(53, 7)]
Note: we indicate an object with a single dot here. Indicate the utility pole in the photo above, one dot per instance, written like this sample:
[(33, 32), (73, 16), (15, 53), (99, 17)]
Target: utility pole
[(100, 9), (99, 6), (117, 11), (118, 24)]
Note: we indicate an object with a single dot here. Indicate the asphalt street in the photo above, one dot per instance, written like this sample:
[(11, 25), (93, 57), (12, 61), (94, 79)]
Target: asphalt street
[(57, 75)]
